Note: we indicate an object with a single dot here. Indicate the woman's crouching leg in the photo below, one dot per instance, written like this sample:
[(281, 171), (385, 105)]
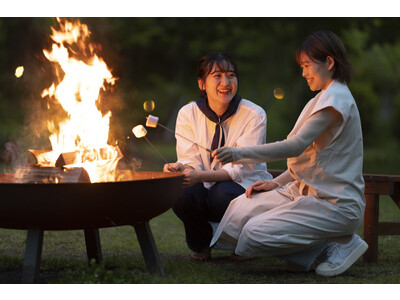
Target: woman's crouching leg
[(242, 209), (297, 231)]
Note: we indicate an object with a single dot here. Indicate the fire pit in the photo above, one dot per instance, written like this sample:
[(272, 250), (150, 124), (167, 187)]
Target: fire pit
[(87, 206), (81, 182)]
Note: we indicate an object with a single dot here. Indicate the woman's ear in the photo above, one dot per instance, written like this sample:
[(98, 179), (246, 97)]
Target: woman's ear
[(201, 84), (331, 62)]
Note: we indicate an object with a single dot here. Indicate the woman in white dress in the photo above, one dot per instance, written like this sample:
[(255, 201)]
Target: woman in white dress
[(311, 211)]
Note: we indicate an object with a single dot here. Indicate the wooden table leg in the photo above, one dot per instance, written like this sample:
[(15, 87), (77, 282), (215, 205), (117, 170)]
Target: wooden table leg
[(93, 246), (371, 220), (148, 247), (33, 255)]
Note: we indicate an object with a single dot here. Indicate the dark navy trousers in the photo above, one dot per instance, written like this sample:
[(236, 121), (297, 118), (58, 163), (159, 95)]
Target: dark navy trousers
[(198, 205)]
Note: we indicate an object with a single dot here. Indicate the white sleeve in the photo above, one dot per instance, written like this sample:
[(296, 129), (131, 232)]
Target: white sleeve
[(283, 179), (187, 152), (253, 134), (294, 145)]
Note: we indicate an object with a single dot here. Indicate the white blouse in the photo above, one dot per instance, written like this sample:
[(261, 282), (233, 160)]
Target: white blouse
[(247, 127)]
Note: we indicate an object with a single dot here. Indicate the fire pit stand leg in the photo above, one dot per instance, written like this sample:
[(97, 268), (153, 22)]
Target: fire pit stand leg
[(93, 246), (148, 247), (33, 254)]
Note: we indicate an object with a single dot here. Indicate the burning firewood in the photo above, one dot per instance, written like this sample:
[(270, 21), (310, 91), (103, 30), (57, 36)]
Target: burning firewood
[(51, 175), (45, 158), (45, 167), (40, 157), (67, 158)]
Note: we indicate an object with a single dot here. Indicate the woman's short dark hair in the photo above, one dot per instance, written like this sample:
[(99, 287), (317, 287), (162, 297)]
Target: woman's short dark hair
[(321, 44), (223, 62)]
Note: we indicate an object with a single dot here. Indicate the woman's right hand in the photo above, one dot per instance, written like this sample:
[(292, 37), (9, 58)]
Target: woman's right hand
[(226, 155), (260, 186), (173, 167)]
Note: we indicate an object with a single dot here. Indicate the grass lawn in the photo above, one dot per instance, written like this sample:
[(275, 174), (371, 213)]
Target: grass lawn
[(64, 258)]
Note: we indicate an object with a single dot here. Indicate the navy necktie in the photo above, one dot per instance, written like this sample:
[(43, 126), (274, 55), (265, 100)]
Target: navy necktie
[(202, 103)]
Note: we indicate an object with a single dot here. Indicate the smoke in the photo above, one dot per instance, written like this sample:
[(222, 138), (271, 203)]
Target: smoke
[(39, 74), (12, 157)]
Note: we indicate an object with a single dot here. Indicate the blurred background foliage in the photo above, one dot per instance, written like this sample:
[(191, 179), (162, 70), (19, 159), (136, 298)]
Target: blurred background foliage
[(156, 59)]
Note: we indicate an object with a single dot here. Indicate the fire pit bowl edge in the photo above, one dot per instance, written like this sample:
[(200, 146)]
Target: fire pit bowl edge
[(69, 206)]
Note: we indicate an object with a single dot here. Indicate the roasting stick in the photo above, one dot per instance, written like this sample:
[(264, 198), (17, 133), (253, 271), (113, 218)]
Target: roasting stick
[(169, 166), (152, 121), (139, 131)]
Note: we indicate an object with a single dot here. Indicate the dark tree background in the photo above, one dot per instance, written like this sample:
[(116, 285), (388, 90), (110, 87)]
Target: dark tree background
[(156, 59)]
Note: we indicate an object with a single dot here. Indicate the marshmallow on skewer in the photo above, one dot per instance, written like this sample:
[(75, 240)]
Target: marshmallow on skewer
[(139, 131), (152, 121)]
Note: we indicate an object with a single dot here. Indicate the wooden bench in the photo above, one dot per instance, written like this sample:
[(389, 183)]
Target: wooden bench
[(375, 186)]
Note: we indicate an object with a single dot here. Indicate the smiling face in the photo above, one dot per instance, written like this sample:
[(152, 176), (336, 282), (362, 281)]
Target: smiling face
[(220, 85), (317, 74)]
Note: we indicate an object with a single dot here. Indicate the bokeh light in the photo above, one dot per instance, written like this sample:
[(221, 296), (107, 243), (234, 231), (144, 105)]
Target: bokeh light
[(19, 71), (279, 93), (149, 105)]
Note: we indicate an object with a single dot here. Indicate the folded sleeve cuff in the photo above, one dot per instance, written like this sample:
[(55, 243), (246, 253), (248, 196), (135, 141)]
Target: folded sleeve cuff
[(234, 171)]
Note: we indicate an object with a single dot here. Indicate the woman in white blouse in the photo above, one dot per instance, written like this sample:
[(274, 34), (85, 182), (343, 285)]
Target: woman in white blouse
[(300, 215), (220, 117)]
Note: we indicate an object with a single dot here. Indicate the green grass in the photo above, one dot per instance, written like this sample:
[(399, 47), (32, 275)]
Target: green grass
[(64, 259), (64, 253)]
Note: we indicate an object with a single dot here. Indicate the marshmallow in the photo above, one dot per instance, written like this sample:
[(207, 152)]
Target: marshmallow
[(152, 121), (139, 131)]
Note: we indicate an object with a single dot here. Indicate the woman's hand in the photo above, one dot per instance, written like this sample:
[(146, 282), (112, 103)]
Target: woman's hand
[(260, 186), (225, 154), (173, 167), (191, 177)]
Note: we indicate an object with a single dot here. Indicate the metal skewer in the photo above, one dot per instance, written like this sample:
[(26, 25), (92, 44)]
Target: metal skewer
[(207, 149), (142, 133), (170, 167)]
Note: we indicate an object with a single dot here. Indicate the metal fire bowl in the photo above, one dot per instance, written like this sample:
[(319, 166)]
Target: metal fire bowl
[(69, 206)]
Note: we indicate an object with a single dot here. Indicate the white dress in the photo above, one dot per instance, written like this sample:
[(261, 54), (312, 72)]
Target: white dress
[(325, 198)]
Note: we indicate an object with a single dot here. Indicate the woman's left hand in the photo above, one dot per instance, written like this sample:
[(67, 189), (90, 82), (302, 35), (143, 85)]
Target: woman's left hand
[(191, 177), (225, 154), (260, 186)]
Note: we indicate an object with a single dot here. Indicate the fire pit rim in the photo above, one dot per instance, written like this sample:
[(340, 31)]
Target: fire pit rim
[(71, 206), (8, 178)]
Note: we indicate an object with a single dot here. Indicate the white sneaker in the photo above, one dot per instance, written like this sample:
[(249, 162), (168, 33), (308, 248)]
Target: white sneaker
[(340, 257)]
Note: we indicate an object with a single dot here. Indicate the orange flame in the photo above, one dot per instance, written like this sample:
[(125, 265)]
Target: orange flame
[(86, 129)]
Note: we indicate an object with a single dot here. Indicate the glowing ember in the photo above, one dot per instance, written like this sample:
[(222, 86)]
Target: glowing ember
[(279, 93), (149, 105), (19, 71), (85, 130)]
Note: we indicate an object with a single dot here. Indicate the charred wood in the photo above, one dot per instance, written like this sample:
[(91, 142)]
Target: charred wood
[(51, 175)]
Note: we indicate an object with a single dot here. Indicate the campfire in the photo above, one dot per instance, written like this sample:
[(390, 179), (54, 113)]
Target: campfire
[(83, 181), (80, 149)]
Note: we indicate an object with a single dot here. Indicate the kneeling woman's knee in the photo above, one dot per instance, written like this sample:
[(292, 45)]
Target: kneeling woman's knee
[(249, 233), (252, 233)]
